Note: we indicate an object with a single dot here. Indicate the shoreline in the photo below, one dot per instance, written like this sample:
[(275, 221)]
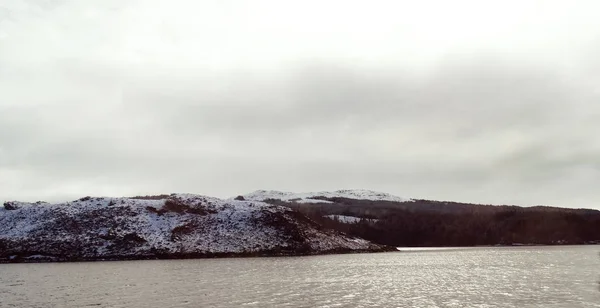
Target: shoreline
[(442, 248), (265, 254), (224, 255)]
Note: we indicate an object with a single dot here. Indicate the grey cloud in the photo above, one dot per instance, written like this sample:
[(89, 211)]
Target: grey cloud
[(473, 127), (453, 104), (462, 125)]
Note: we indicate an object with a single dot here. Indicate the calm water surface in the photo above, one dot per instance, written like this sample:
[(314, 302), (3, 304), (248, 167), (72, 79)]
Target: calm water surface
[(472, 277)]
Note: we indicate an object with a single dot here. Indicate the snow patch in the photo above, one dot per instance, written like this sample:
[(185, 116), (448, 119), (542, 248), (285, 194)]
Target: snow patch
[(349, 219)]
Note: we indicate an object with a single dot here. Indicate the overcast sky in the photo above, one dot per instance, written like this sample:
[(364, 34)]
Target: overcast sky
[(477, 101)]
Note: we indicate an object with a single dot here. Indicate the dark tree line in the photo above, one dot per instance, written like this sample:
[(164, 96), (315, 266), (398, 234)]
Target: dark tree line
[(434, 223)]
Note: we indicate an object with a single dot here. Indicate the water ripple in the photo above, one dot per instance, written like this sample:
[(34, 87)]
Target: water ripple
[(482, 277)]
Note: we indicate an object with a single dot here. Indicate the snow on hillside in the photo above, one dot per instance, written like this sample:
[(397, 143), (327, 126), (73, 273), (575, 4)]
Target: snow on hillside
[(349, 219), (177, 224), (359, 194)]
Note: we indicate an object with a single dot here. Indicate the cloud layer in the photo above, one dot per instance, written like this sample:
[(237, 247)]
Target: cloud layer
[(493, 105)]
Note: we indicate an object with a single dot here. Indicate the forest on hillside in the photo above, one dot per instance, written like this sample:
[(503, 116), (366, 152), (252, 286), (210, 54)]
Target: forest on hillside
[(438, 223)]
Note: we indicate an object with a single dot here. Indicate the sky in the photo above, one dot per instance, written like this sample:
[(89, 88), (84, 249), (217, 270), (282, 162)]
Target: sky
[(477, 101)]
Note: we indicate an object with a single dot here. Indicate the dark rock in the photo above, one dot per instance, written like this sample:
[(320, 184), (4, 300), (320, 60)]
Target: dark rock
[(10, 206)]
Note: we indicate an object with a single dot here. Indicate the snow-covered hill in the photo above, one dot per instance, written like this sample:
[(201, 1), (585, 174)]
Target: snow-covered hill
[(166, 226), (358, 194)]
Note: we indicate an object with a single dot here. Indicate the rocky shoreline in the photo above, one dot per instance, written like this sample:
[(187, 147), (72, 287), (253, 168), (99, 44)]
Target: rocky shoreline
[(265, 254)]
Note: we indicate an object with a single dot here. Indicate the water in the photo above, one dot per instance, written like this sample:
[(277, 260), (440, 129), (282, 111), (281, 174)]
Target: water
[(474, 277)]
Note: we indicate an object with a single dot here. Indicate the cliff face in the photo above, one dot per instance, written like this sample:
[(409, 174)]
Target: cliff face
[(166, 226)]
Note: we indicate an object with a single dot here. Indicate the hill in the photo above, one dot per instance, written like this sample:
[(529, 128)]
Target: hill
[(164, 226), (397, 221)]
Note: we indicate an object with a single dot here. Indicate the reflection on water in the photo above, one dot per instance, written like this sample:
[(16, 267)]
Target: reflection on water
[(476, 277)]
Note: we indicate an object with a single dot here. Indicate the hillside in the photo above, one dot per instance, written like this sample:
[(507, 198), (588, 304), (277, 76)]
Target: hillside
[(270, 223), (391, 220), (165, 226)]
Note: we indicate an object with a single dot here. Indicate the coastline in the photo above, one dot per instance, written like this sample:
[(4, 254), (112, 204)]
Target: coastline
[(223, 255)]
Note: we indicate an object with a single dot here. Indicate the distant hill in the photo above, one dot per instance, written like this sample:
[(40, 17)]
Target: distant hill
[(163, 226), (391, 220), (270, 223)]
